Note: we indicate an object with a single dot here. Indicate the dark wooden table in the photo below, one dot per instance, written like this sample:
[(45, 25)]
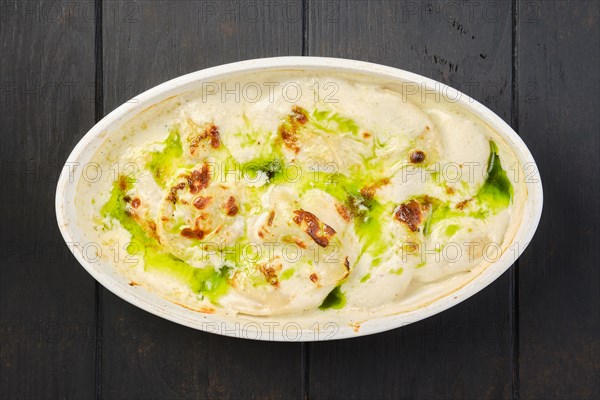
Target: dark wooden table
[(534, 333)]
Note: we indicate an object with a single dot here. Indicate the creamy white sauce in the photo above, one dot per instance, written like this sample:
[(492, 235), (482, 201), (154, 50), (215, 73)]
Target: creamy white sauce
[(391, 279)]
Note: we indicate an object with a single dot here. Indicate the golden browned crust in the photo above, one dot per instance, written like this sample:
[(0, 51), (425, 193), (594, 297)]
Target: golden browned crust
[(231, 207), (317, 230), (370, 190), (270, 273), (201, 202), (196, 232), (463, 204), (417, 156), (271, 217), (343, 211), (173, 196), (199, 180), (289, 130), (410, 214), (211, 132)]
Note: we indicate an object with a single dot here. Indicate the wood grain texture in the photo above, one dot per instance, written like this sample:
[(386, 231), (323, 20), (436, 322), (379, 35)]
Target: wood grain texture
[(464, 352), (146, 43), (48, 101), (47, 104), (559, 293)]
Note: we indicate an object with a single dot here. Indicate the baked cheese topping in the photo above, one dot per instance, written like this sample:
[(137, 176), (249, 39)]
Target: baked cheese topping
[(373, 202)]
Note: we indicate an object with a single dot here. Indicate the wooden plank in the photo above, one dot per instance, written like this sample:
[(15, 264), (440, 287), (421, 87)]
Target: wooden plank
[(464, 352), (558, 46), (146, 43), (47, 308)]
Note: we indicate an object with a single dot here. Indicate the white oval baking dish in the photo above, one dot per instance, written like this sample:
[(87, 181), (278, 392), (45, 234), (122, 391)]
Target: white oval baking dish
[(269, 329)]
